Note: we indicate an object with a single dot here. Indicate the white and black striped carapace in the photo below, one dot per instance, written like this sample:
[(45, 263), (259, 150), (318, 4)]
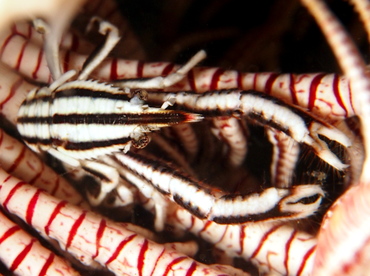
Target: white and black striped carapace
[(77, 119), (86, 119)]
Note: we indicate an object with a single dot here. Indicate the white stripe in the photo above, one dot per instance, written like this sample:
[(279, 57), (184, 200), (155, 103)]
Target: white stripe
[(92, 153), (92, 132), (215, 206), (91, 85), (247, 103), (252, 205), (40, 131), (35, 109), (87, 105)]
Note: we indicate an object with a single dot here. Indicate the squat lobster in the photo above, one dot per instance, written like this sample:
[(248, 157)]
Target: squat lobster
[(77, 121)]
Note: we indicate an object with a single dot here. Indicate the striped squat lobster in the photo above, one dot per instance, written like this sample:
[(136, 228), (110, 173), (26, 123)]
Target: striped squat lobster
[(284, 266)]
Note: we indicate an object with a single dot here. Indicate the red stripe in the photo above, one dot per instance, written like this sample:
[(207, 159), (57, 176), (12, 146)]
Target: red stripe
[(141, 257), (157, 260), (207, 224), (56, 186), (5, 44), (38, 64), (6, 179), (287, 250), (139, 69), (350, 95), (53, 216), (171, 264), (192, 218), (99, 235), (17, 161), (47, 264), (13, 89), (216, 78), (20, 57), (14, 30), (67, 58), (293, 91), (168, 69), (74, 229), (113, 69), (37, 175), (30, 29), (241, 239), (9, 232), (19, 259), (11, 193), (119, 248), (270, 82), (305, 258), (190, 77), (313, 90), (191, 269), (264, 238), (31, 207), (337, 95), (255, 78), (239, 80)]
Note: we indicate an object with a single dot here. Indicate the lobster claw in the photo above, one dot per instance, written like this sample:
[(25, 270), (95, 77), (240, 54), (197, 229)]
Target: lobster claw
[(321, 148)]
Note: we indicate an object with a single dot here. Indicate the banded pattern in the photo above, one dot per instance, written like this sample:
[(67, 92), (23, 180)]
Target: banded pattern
[(268, 111), (113, 246), (284, 256), (270, 245), (343, 238), (270, 204), (232, 132), (18, 160), (284, 158), (70, 41), (84, 120), (24, 254), (273, 247), (326, 95)]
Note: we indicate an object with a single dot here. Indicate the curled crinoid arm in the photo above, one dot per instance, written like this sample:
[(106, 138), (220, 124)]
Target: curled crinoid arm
[(112, 38), (343, 240), (232, 132), (276, 247), (268, 111), (52, 43), (90, 237), (167, 81), (284, 158), (202, 201), (326, 95), (21, 162), (159, 203), (23, 254)]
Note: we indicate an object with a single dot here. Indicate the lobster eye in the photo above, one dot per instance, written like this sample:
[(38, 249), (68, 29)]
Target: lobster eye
[(139, 93), (141, 142)]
